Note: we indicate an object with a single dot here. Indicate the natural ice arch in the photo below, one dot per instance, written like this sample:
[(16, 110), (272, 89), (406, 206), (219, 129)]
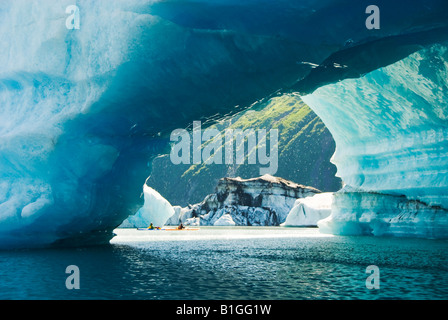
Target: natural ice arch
[(83, 111)]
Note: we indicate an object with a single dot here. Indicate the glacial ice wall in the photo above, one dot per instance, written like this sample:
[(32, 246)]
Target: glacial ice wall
[(82, 112), (391, 133), (51, 162)]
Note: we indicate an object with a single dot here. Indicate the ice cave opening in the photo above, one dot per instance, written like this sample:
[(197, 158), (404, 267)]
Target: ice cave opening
[(83, 111)]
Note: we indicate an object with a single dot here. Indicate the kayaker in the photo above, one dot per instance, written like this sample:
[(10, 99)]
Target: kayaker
[(181, 226), (151, 227)]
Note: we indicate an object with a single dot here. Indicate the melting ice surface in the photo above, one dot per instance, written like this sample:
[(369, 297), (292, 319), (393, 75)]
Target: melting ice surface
[(82, 112)]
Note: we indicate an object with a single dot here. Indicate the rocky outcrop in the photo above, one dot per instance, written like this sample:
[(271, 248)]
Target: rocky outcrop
[(262, 201)]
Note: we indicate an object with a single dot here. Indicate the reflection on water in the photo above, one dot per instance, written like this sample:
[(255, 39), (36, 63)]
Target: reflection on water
[(231, 263)]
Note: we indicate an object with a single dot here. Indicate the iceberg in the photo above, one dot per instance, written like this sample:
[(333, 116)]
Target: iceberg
[(308, 211), (156, 210), (376, 214), (261, 201), (84, 111), (225, 220), (391, 147)]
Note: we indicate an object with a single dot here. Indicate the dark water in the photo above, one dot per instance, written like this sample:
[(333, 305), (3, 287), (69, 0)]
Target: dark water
[(252, 267)]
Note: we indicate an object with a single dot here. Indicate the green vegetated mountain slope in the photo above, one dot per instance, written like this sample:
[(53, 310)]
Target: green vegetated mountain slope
[(305, 147)]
